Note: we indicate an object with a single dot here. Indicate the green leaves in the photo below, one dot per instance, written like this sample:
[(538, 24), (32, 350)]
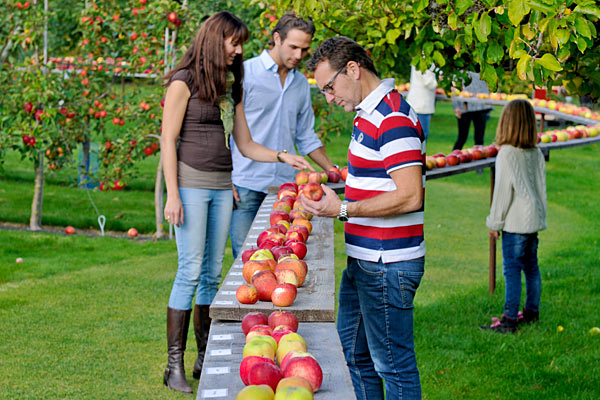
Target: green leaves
[(517, 9), (588, 8), (582, 28), (462, 5), (522, 66), (392, 35), (482, 27), (548, 61)]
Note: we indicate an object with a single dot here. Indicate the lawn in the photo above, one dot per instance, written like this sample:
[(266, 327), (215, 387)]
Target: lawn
[(84, 317)]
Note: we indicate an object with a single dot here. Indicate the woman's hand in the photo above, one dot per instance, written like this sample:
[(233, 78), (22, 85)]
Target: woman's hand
[(174, 211), (295, 161)]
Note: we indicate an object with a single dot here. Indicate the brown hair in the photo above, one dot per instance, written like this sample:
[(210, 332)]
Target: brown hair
[(517, 125), (291, 21), (206, 58), (340, 50)]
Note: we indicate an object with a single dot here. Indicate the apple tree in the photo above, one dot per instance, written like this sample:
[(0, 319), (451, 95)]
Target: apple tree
[(547, 42)]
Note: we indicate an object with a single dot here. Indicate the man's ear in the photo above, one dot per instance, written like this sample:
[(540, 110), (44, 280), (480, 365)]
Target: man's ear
[(276, 39), (353, 69)]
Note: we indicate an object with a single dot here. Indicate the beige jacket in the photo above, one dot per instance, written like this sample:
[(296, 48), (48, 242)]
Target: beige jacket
[(519, 200)]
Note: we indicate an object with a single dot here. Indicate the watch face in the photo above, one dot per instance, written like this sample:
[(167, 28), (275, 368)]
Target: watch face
[(343, 219)]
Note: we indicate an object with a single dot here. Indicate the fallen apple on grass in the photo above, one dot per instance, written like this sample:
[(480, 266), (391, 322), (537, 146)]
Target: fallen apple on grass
[(69, 230)]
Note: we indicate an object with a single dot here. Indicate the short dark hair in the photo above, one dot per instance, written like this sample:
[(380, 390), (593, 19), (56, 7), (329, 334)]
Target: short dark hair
[(291, 21), (340, 50)]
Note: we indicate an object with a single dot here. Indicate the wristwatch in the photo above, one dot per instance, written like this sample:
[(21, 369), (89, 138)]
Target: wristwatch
[(343, 211), (279, 155)]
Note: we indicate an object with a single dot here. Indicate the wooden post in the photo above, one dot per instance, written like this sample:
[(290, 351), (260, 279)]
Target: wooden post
[(492, 277)]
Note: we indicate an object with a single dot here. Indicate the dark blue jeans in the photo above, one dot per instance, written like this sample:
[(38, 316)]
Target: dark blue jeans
[(243, 214), (519, 253), (375, 325)]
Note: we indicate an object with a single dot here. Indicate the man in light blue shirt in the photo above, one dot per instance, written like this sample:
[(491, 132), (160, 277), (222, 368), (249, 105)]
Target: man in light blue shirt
[(279, 113)]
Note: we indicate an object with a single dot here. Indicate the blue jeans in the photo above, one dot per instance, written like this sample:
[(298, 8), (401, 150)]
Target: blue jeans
[(425, 120), (375, 325), (201, 241), (519, 253), (243, 215)]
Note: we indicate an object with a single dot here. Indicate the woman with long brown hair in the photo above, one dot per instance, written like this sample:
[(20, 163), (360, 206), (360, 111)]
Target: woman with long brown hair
[(202, 108)]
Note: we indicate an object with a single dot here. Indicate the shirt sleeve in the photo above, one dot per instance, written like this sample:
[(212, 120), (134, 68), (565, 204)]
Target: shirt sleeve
[(400, 143), (306, 139), (185, 76), (503, 194)]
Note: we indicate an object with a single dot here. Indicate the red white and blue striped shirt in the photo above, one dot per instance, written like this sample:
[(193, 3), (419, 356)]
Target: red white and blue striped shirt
[(386, 136)]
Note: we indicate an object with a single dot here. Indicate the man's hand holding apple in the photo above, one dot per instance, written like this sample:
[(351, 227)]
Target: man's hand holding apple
[(328, 206)]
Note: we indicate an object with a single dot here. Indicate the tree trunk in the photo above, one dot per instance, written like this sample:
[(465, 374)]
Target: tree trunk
[(84, 167), (35, 222), (159, 194)]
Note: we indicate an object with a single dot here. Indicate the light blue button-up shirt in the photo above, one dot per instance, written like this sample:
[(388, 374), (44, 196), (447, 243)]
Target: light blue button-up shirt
[(278, 118)]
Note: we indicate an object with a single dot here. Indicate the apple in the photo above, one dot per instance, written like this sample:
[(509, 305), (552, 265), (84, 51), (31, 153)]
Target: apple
[(277, 216), (282, 206), (303, 222), (277, 318), (262, 254), (293, 185), (262, 334), (287, 276), (246, 294), (271, 242), (258, 347), (256, 392), (253, 266), (132, 232), (284, 294), (295, 387), (302, 177), (264, 374), (265, 288), (324, 176), (477, 154), (285, 346), (298, 266), (430, 163), (314, 177), (246, 254), (313, 191), (280, 332), (261, 237), (287, 192), (299, 248), (172, 17), (277, 228), (248, 362), (333, 176), (294, 354), (294, 236), (261, 327), (280, 251), (452, 159), (344, 173), (307, 368), (252, 319), (69, 230), (295, 214), (303, 230), (260, 275), (493, 151), (440, 162)]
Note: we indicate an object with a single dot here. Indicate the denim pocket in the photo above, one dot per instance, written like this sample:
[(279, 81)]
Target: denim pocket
[(409, 282), (370, 268)]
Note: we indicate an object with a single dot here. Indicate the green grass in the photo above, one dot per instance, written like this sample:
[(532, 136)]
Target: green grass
[(84, 317)]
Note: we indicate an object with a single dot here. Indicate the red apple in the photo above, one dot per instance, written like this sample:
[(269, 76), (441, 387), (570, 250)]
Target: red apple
[(294, 354), (333, 177), (248, 362), (253, 318), (246, 294), (440, 162), (307, 368), (172, 17), (279, 251), (277, 228), (287, 191), (477, 154), (452, 159), (301, 228), (264, 374), (271, 242), (303, 222), (248, 253), (284, 294), (265, 288), (132, 232), (314, 177), (298, 266), (277, 216), (277, 318), (301, 178), (280, 332), (253, 266), (69, 230), (261, 275), (282, 206), (299, 248), (344, 173), (313, 191), (289, 185)]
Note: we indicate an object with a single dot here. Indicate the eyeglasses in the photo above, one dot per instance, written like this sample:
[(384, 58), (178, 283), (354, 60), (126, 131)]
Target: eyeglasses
[(328, 89)]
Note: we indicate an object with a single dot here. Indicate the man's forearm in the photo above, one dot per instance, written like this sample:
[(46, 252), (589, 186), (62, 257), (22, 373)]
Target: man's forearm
[(320, 157)]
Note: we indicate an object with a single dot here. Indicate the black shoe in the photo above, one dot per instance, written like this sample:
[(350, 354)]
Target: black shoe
[(503, 325), (201, 328), (529, 317), (178, 322)]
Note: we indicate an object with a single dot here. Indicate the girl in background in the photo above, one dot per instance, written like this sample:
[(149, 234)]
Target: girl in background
[(519, 211)]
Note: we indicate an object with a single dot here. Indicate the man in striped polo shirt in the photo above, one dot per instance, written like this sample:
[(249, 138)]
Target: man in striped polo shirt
[(383, 215)]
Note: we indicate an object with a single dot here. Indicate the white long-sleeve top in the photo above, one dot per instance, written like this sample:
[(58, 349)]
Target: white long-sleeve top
[(519, 199), (421, 95)]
